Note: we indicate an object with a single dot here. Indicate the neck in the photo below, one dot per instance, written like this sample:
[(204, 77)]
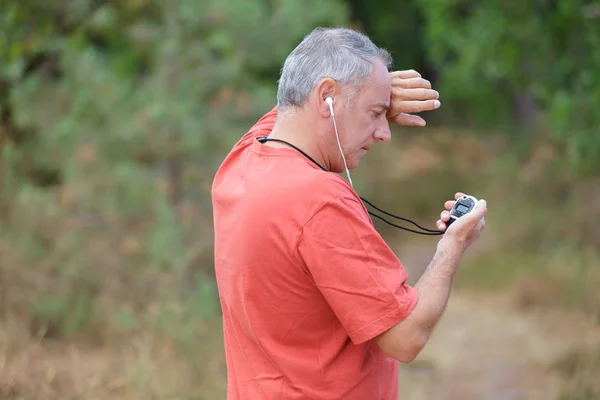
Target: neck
[(300, 130)]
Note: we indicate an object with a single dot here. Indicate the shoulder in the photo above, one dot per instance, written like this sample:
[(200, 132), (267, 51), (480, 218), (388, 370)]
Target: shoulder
[(311, 194), (334, 198), (326, 186)]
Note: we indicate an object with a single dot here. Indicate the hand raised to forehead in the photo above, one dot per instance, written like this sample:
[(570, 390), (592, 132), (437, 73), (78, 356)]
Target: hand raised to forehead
[(410, 94)]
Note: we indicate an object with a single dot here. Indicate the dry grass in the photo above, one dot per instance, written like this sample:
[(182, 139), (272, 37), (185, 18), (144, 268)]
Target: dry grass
[(581, 370), (143, 365)]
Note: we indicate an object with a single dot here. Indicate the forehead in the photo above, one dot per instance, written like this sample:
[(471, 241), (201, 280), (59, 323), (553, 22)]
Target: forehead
[(378, 85)]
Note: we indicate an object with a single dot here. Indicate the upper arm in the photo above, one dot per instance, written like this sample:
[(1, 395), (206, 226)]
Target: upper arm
[(357, 273)]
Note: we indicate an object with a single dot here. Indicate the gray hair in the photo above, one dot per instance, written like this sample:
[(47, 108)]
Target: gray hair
[(343, 54)]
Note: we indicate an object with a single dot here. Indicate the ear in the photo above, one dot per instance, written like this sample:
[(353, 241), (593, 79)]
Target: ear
[(326, 88)]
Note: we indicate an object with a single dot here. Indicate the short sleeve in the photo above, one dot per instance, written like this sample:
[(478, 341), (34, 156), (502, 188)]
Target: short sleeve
[(360, 277)]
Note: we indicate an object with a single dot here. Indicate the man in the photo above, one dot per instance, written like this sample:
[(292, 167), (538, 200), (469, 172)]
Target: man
[(315, 304)]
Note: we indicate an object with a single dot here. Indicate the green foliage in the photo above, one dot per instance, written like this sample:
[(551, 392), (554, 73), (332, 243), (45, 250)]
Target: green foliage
[(114, 118), (181, 320), (493, 54), (64, 314), (166, 242), (396, 26)]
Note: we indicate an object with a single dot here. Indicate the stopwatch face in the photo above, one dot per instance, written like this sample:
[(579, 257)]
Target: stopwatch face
[(462, 206), (462, 209)]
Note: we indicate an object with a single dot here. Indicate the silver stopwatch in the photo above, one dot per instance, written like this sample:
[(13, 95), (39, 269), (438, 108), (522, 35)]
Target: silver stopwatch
[(463, 205)]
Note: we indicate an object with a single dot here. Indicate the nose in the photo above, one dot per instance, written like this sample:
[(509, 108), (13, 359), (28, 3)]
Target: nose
[(383, 133)]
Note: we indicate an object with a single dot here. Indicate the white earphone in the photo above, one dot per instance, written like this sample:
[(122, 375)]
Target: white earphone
[(329, 101)]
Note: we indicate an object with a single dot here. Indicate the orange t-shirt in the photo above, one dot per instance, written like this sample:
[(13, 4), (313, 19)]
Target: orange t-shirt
[(305, 281)]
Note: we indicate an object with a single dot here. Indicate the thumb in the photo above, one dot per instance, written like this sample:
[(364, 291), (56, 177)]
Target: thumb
[(479, 210)]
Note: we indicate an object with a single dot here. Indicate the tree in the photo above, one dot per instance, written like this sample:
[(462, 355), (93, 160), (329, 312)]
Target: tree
[(117, 115), (502, 60)]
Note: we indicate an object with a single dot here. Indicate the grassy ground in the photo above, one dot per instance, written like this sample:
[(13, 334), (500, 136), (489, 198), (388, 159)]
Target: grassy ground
[(114, 305)]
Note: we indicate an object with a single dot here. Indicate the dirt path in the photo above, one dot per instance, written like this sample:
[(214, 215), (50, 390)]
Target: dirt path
[(486, 347)]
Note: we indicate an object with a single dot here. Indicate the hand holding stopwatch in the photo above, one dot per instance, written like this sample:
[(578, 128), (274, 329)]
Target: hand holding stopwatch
[(463, 205)]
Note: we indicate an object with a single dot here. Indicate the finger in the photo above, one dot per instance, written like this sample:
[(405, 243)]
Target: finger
[(445, 216), (481, 224), (414, 106), (411, 73), (410, 83), (479, 210), (415, 94), (441, 225), (407, 120), (449, 204), (457, 195)]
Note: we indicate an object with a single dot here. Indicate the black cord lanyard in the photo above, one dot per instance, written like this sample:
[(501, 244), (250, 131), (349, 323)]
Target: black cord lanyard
[(430, 232)]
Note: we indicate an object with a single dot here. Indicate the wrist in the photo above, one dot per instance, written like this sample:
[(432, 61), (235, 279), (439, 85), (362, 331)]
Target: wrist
[(446, 259), (451, 244)]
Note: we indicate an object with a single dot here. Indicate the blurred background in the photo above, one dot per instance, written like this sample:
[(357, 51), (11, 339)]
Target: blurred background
[(114, 117)]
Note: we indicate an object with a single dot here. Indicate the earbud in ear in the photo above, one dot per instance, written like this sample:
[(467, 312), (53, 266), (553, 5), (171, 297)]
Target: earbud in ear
[(329, 101)]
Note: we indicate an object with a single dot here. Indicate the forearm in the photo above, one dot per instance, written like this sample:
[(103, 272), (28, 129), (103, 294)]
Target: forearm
[(435, 285), (405, 340)]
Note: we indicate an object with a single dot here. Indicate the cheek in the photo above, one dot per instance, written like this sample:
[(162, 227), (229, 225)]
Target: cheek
[(374, 123), (365, 122), (360, 127)]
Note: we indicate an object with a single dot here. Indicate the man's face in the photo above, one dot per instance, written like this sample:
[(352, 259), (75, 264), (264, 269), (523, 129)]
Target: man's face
[(362, 121)]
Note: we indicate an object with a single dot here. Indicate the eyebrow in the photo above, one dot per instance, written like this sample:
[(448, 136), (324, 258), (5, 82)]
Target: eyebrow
[(385, 106)]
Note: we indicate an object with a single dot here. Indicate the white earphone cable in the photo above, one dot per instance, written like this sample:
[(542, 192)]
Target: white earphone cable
[(337, 136), (329, 101)]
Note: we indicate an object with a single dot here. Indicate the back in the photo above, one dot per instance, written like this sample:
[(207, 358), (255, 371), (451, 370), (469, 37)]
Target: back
[(305, 281)]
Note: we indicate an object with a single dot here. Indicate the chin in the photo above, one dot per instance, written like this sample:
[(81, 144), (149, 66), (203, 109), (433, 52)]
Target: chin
[(353, 164)]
